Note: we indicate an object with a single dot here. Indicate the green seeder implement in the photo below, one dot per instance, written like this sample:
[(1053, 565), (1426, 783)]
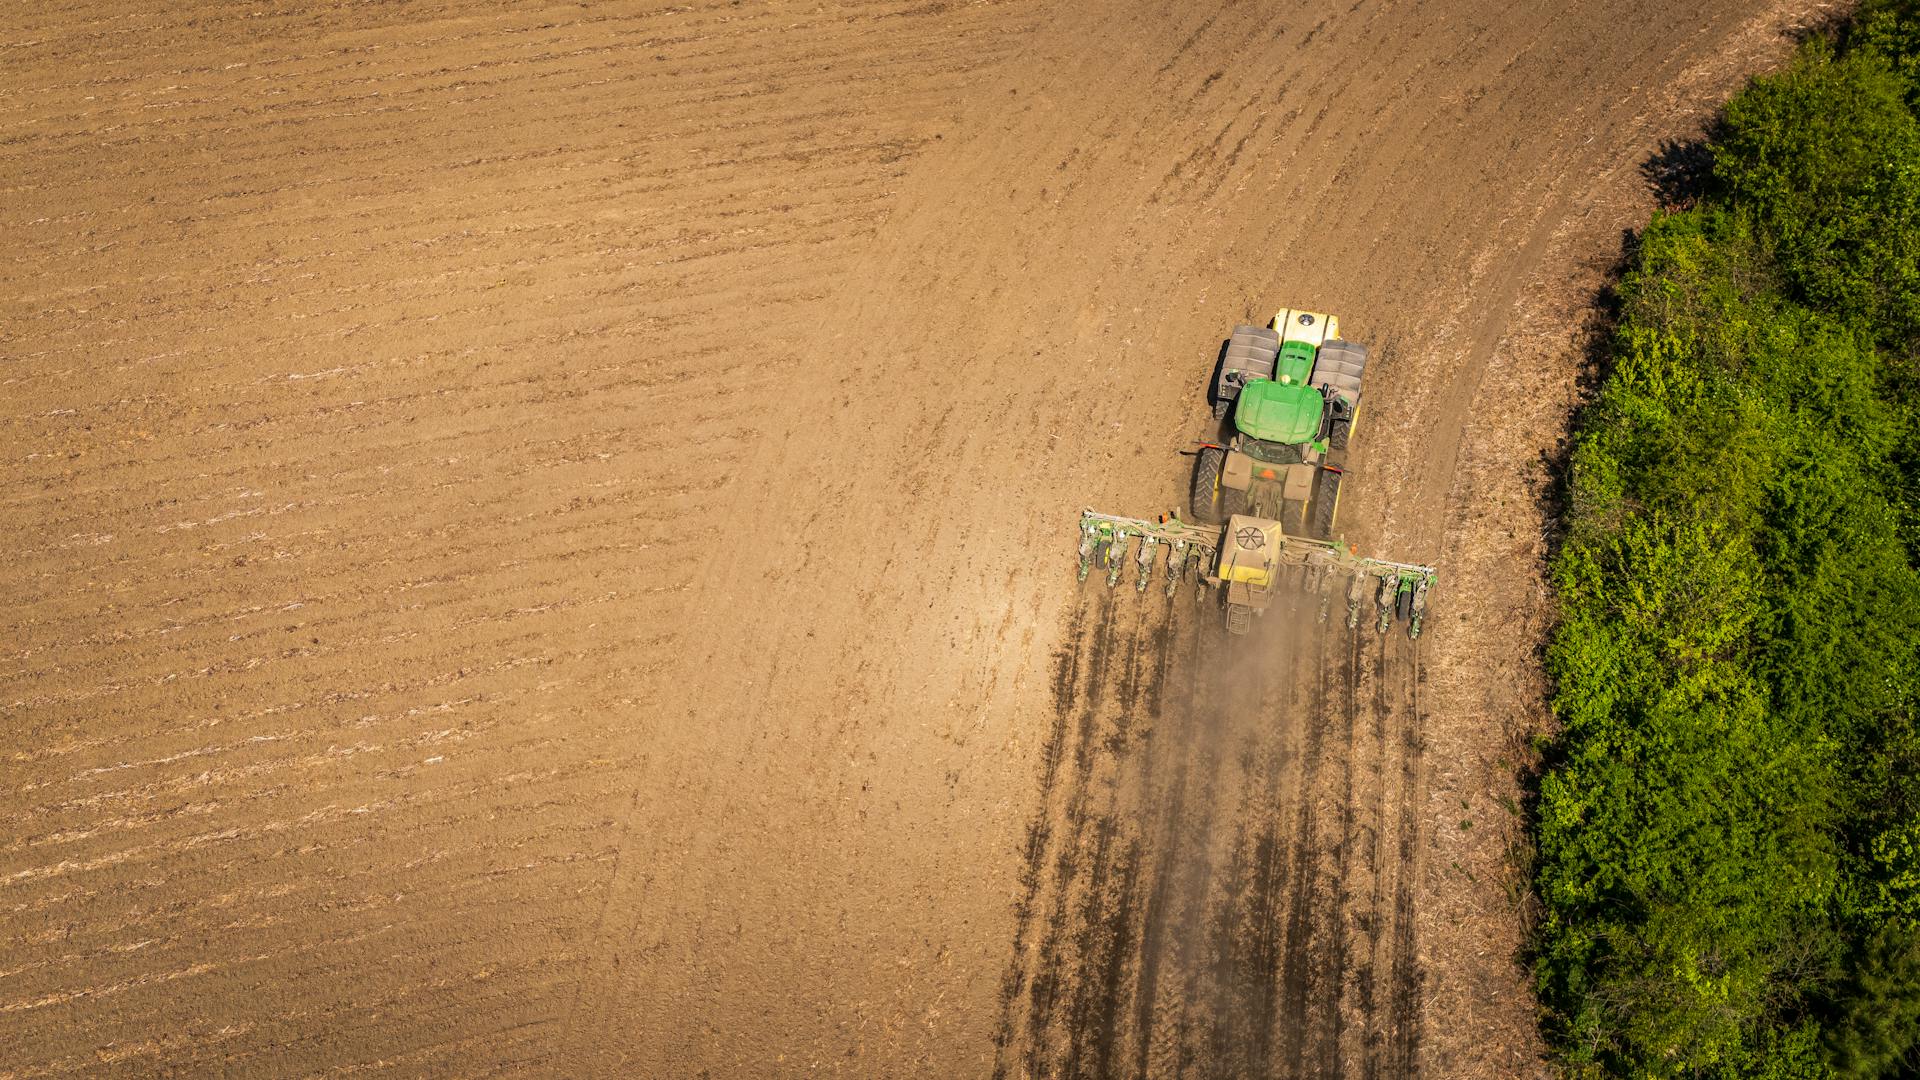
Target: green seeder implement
[(1252, 559)]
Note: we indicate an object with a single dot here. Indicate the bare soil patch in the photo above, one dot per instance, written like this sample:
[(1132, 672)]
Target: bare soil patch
[(540, 538)]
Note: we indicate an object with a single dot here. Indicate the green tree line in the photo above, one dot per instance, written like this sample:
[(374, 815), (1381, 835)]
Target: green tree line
[(1727, 827)]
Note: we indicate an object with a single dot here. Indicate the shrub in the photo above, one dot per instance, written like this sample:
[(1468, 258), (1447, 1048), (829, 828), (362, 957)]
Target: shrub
[(1729, 832)]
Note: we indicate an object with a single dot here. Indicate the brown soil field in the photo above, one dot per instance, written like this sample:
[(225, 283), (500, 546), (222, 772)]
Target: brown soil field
[(540, 538)]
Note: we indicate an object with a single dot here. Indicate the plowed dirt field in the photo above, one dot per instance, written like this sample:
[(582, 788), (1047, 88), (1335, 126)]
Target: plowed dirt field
[(539, 538)]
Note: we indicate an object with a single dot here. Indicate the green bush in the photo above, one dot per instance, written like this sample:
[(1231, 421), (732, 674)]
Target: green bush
[(1877, 1026), (1826, 159), (1728, 829)]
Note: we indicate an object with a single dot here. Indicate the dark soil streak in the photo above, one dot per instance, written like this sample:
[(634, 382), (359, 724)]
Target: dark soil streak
[(1296, 961), (1067, 665), (1407, 976), (1161, 832), (1153, 926), (1045, 984), (1066, 673), (1370, 921), (1094, 939), (1329, 980), (1247, 917), (1130, 693), (1103, 939), (1248, 930), (1189, 840), (1389, 1025)]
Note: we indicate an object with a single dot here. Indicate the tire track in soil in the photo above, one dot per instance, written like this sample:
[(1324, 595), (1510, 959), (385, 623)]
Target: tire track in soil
[(1178, 888), (1093, 928), (1196, 872), (1086, 649), (1049, 980), (1301, 900), (1365, 1004), (1107, 925), (1067, 664), (1407, 977), (1252, 920)]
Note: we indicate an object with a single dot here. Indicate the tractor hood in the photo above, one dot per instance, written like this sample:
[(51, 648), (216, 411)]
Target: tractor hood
[(1278, 412)]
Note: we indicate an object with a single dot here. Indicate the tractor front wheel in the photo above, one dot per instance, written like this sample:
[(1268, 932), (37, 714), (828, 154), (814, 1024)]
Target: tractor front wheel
[(1207, 492), (1341, 430)]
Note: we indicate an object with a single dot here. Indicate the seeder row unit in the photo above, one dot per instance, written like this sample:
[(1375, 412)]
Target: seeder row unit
[(1251, 559)]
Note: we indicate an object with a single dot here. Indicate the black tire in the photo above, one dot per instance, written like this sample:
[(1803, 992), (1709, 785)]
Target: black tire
[(1326, 504), (1232, 501), (1341, 431), (1293, 517), (1239, 619), (1206, 500)]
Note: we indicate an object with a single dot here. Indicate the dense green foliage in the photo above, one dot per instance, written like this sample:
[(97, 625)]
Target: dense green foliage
[(1728, 826)]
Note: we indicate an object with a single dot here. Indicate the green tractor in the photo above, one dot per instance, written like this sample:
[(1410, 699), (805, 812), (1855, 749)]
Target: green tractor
[(1265, 502), (1293, 389)]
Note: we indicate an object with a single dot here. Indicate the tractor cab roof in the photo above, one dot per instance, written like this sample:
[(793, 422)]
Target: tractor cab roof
[(1281, 412)]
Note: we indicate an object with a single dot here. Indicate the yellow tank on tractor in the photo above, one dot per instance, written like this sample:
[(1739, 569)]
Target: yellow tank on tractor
[(1265, 502)]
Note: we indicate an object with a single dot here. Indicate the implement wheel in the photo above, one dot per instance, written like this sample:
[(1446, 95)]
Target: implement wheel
[(1239, 618), (1326, 505), (1207, 502)]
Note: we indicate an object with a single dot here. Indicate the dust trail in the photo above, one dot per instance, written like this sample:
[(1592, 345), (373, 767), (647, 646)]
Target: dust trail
[(1196, 857)]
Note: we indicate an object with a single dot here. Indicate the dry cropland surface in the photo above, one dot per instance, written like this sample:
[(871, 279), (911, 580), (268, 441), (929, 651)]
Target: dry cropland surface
[(539, 538)]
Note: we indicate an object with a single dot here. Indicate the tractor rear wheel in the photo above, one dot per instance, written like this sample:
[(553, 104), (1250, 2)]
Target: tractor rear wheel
[(1326, 504), (1206, 501), (1293, 517), (1232, 501)]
